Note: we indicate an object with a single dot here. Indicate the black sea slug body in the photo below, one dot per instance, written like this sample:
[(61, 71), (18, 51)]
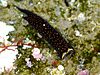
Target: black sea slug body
[(52, 36)]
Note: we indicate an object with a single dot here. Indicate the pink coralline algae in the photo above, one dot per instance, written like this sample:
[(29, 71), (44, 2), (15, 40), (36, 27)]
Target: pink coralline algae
[(83, 72), (36, 54)]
